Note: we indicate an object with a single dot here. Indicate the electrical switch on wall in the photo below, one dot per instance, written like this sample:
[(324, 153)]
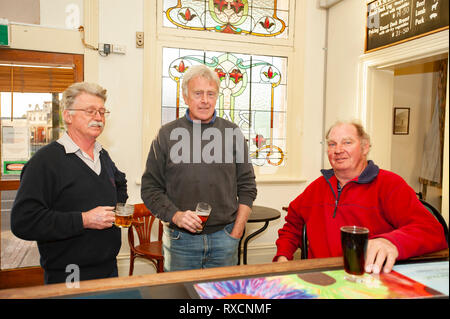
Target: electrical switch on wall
[(106, 48)]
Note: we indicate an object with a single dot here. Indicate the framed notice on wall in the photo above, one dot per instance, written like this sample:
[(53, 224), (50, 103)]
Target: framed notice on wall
[(401, 121), (390, 22)]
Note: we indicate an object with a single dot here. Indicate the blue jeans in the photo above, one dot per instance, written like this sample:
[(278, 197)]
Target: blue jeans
[(184, 251)]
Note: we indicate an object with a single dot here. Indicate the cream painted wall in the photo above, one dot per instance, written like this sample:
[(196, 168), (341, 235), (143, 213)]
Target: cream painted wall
[(414, 91), (417, 91), (61, 13), (122, 76), (313, 98), (345, 45)]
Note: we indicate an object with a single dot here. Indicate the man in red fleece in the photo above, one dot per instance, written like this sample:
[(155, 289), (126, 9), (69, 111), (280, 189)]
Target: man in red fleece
[(356, 192)]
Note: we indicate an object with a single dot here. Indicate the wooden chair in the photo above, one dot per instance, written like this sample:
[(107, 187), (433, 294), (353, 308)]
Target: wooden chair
[(304, 250), (143, 221)]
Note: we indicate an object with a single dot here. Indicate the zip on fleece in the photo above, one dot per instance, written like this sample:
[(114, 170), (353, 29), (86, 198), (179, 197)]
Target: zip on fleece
[(336, 204), (336, 198), (367, 176)]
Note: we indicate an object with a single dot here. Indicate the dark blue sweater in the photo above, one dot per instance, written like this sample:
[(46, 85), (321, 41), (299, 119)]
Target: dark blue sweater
[(55, 188)]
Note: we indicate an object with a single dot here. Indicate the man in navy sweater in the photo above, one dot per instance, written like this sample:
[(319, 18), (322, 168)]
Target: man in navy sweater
[(67, 194)]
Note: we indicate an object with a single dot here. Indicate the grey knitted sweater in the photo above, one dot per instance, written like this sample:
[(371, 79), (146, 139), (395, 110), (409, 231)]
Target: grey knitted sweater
[(192, 162)]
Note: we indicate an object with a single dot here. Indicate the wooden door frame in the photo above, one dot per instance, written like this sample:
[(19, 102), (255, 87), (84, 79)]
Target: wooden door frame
[(31, 276)]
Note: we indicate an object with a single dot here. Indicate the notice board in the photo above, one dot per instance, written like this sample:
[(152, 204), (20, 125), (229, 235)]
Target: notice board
[(391, 22)]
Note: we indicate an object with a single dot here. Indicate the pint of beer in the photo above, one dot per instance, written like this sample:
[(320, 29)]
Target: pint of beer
[(124, 215)]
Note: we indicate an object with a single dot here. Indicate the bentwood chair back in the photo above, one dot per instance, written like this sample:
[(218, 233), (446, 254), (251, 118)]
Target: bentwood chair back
[(304, 249), (143, 221), (437, 215)]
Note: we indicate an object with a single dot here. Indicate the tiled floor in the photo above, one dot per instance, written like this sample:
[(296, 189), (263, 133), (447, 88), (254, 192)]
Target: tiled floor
[(17, 253)]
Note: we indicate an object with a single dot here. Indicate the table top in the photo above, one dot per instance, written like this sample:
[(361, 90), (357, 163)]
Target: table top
[(180, 277), (168, 278), (263, 214)]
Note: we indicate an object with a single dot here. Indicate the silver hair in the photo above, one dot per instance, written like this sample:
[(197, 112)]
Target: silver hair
[(360, 131), (199, 70), (70, 94)]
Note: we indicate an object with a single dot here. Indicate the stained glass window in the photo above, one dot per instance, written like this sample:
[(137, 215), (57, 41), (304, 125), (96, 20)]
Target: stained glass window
[(252, 94), (264, 18)]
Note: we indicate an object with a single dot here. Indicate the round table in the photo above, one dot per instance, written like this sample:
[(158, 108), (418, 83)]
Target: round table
[(260, 214)]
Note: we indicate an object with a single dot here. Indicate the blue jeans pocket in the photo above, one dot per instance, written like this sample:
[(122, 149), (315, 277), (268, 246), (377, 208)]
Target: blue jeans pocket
[(173, 234), (185, 251), (228, 229)]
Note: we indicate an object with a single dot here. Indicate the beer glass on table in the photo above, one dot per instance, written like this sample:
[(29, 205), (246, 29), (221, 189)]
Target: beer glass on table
[(354, 241)]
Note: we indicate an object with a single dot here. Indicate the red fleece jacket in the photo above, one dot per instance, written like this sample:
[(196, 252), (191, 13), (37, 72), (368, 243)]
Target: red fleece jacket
[(379, 200)]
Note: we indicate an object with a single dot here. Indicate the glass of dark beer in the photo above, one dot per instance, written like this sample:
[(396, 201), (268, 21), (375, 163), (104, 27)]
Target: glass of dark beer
[(354, 245)]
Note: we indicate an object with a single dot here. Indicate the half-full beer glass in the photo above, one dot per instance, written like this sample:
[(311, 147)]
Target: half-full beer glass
[(203, 210)]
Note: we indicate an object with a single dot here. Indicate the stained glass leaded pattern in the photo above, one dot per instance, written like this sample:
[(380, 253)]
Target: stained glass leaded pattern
[(263, 18), (252, 94)]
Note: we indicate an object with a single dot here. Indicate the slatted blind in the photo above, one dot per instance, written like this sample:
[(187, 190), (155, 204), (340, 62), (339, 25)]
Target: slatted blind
[(35, 79)]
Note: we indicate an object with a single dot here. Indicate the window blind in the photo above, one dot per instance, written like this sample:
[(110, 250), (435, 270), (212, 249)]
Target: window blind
[(35, 79)]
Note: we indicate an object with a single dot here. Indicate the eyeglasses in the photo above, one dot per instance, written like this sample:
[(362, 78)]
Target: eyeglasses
[(200, 94), (93, 112)]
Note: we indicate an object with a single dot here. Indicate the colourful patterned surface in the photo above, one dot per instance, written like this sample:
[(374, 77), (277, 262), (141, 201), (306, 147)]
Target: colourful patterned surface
[(317, 285)]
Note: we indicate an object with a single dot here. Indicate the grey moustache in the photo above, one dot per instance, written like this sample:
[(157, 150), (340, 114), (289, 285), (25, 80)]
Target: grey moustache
[(95, 123)]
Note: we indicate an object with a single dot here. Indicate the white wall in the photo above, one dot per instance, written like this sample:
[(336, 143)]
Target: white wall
[(345, 45), (62, 13), (314, 64), (417, 91), (414, 91), (122, 76)]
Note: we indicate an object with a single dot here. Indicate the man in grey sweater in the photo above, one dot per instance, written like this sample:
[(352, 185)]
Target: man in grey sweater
[(199, 158)]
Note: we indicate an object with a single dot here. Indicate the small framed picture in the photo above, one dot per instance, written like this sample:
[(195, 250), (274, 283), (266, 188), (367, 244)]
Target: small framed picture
[(401, 121)]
